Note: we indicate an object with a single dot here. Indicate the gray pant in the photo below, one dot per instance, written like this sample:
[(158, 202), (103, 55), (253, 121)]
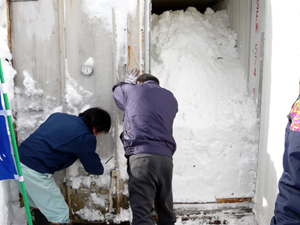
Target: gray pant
[(150, 180)]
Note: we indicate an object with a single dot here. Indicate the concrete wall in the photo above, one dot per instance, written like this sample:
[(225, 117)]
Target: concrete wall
[(52, 41)]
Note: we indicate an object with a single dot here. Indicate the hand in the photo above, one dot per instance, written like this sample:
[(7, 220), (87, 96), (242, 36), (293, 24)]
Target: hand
[(132, 76)]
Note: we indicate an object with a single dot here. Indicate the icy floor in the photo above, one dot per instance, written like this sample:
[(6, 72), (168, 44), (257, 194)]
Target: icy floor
[(213, 213), (247, 220)]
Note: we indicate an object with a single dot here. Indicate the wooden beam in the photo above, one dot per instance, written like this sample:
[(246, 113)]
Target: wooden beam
[(233, 200)]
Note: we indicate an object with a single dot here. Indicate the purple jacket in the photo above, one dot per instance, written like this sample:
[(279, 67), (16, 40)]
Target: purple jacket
[(149, 114)]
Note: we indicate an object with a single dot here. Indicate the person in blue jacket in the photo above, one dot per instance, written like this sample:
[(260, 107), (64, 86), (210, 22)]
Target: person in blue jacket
[(287, 206), (149, 146), (56, 145)]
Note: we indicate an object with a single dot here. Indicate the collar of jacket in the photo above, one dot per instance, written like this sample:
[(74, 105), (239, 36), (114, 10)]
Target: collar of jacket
[(150, 82), (91, 130)]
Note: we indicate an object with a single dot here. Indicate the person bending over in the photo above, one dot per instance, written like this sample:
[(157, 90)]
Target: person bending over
[(56, 145)]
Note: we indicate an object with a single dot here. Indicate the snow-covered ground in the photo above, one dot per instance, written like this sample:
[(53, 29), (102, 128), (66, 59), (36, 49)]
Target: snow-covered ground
[(216, 129)]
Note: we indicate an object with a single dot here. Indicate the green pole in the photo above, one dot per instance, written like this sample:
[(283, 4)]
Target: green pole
[(15, 148)]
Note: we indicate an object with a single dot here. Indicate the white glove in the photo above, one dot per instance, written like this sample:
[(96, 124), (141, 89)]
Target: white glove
[(132, 76)]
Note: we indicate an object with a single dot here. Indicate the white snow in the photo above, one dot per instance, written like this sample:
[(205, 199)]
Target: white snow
[(216, 129), (76, 96), (29, 85)]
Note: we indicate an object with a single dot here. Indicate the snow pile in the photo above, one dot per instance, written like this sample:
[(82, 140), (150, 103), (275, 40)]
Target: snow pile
[(4, 50), (29, 83), (8, 72), (96, 215), (31, 93), (91, 214), (5, 202), (76, 96), (216, 129), (80, 180), (31, 98)]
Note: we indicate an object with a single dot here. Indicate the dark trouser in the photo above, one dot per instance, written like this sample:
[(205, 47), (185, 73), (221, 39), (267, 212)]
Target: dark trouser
[(150, 180), (40, 219)]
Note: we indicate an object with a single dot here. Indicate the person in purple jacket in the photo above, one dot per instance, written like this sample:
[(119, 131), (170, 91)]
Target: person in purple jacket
[(149, 146), (56, 145)]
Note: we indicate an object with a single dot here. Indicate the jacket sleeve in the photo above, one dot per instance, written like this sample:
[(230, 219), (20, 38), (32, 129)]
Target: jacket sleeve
[(88, 156), (119, 94)]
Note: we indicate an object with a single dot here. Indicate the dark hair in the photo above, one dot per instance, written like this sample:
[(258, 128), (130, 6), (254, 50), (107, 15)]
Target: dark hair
[(98, 118), (145, 77)]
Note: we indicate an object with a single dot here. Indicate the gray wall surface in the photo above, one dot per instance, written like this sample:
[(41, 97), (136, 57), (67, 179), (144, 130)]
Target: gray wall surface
[(52, 40)]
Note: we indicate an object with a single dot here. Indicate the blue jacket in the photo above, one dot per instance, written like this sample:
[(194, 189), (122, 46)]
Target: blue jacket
[(58, 143), (149, 114), (287, 206)]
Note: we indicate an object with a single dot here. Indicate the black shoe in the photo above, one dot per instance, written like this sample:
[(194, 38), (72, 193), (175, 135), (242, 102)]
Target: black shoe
[(70, 223), (39, 217)]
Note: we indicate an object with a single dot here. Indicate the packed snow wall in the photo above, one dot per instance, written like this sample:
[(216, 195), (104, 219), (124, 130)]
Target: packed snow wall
[(204, 61)]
